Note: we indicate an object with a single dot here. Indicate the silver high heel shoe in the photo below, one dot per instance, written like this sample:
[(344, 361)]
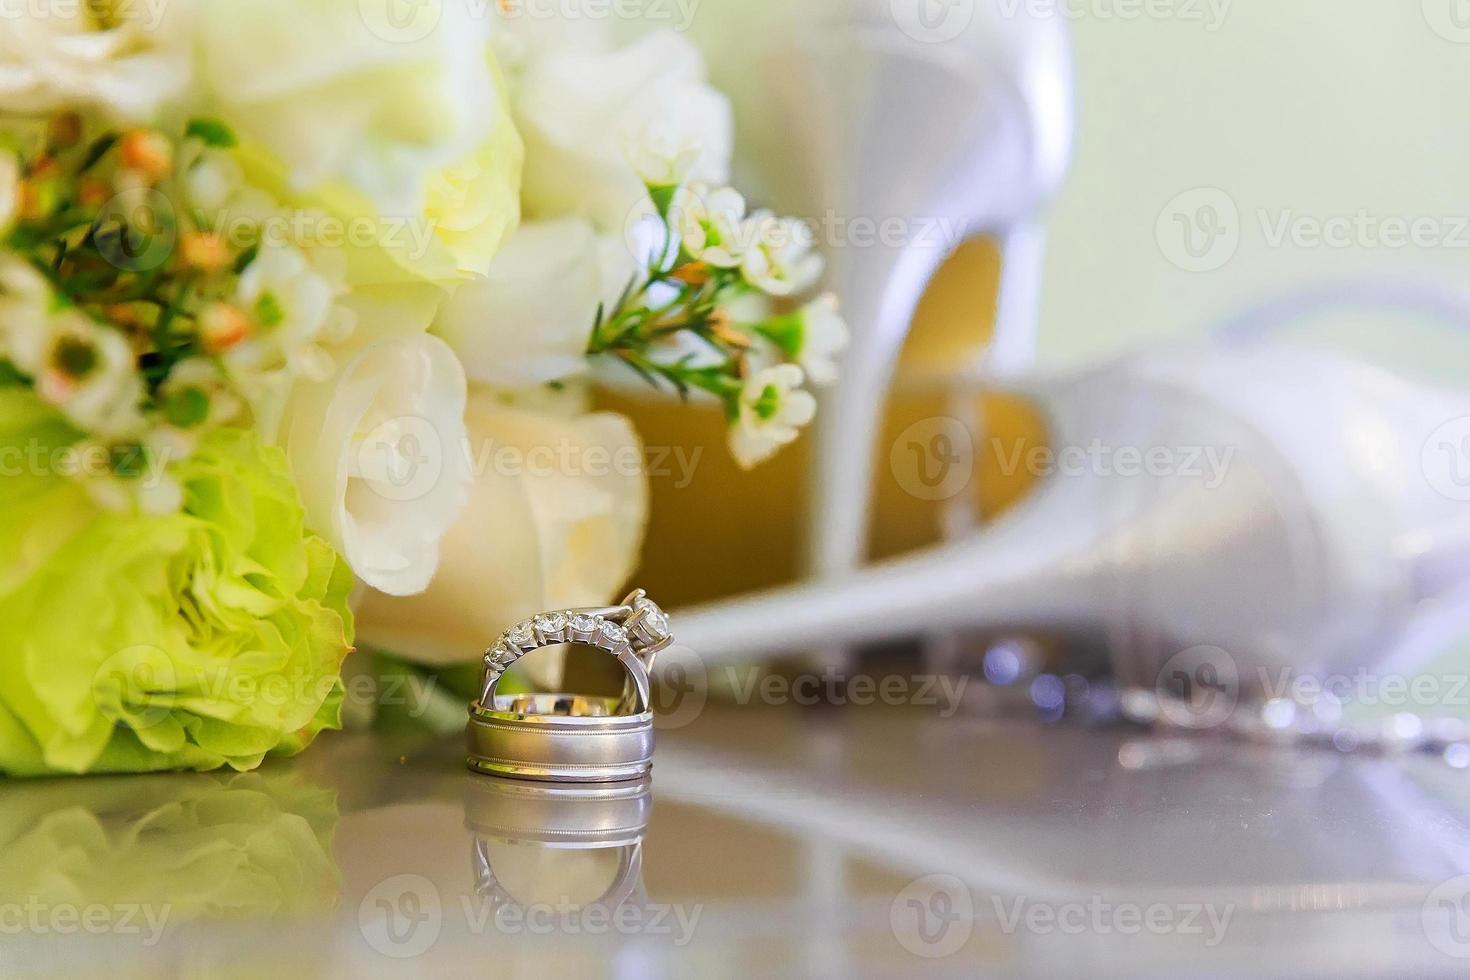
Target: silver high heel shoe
[(863, 115), (1271, 512)]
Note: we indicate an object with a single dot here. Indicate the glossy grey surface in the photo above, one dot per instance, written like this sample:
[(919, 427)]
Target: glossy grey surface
[(776, 843)]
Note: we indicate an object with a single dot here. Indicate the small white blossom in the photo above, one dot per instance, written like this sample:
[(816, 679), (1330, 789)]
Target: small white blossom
[(216, 188), (25, 304), (746, 307), (211, 181), (771, 411), (823, 334), (709, 224), (197, 394), (293, 311), (662, 154), (778, 258), (812, 336), (90, 374), (127, 475)]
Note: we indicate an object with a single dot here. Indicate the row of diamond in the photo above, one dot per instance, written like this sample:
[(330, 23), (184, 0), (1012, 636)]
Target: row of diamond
[(550, 629)]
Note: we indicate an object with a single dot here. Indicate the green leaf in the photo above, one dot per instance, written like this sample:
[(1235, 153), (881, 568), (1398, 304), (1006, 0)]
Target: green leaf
[(243, 260), (663, 198), (787, 331), (644, 373), (98, 150), (212, 132)]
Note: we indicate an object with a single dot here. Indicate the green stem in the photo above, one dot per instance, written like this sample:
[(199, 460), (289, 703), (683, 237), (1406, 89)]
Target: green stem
[(172, 311)]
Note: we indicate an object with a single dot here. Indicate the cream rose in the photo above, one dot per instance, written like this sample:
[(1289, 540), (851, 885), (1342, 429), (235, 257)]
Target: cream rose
[(528, 322), (68, 56), (401, 129), (555, 519), (378, 450), (592, 119)]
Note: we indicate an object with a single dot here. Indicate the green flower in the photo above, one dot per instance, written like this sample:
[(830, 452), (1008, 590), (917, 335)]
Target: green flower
[(130, 642), (176, 848)]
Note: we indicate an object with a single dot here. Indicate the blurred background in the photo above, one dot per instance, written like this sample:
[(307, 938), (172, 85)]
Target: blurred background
[(1308, 110)]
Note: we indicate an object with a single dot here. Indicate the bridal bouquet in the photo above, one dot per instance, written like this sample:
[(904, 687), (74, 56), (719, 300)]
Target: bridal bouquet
[(293, 296)]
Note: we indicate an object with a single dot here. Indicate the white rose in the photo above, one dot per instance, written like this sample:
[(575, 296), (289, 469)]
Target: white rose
[(580, 109), (555, 520), (529, 321), (58, 55), (401, 124), (378, 450)]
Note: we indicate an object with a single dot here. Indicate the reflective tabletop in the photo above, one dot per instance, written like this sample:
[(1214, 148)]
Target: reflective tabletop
[(873, 842)]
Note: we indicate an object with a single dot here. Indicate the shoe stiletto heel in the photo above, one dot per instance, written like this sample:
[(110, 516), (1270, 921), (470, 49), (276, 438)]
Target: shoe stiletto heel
[(870, 117), (1290, 536)]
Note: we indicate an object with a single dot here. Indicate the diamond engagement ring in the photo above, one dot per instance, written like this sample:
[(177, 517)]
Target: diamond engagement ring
[(572, 738)]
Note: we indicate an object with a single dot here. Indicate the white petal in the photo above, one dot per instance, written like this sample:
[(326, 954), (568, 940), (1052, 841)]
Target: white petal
[(751, 448), (798, 409), (393, 393), (576, 108), (529, 321)]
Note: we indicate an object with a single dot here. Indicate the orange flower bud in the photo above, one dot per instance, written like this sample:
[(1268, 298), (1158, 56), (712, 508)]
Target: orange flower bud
[(93, 192), (694, 273), (121, 314), (147, 154), (43, 167), (204, 250), (222, 326), (725, 331)]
